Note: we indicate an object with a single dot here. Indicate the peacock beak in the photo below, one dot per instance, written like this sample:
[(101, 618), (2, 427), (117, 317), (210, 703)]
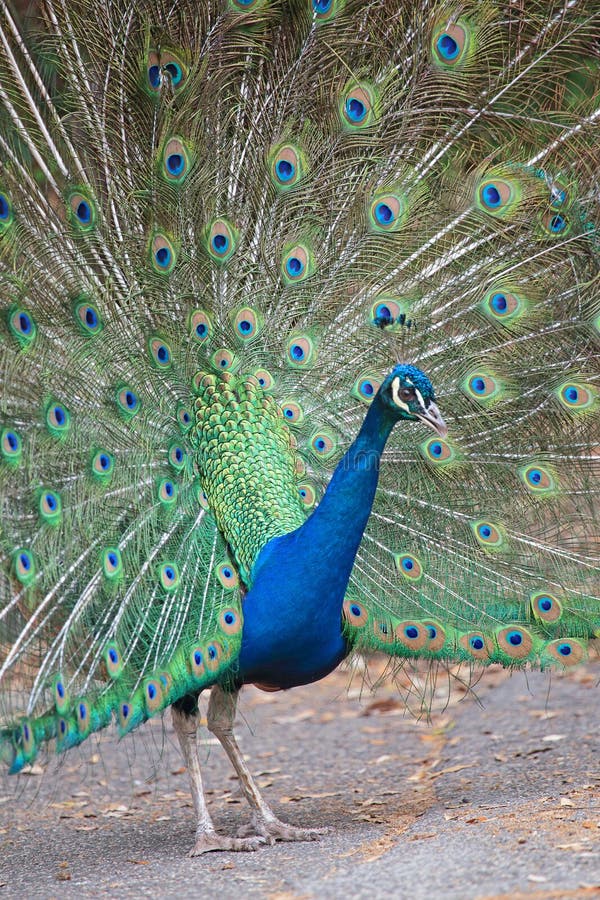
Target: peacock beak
[(432, 417)]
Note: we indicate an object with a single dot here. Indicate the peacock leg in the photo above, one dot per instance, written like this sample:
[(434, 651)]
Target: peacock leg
[(264, 822), (186, 728)]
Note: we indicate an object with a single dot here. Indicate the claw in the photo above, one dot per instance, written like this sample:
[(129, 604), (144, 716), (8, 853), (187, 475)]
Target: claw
[(208, 842)]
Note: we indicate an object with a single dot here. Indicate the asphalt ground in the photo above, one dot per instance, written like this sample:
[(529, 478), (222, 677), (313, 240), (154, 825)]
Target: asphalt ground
[(496, 796)]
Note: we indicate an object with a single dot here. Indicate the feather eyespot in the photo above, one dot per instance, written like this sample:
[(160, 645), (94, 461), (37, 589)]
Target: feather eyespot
[(307, 494), (113, 660), (227, 576), (200, 326), (323, 444), (567, 652), (412, 635), (176, 457), (11, 446), (556, 224), (112, 563), (154, 695), (5, 212), (482, 386), (383, 631), (184, 417), (355, 613), (162, 254), (221, 240), (300, 351), (167, 492), (213, 656), (292, 412), (58, 419), (408, 566), (160, 353), (22, 325), (515, 641), (128, 402), (438, 452), (175, 161), (498, 196), (503, 305), (81, 210), (247, 324), (61, 697), (546, 607), (452, 45), (387, 212), (297, 264), (358, 107), (224, 360), (88, 317), (24, 565), (230, 621), (264, 378), (287, 166), (575, 397), (538, 479), (437, 636), (50, 507), (169, 575), (477, 645), (196, 659), (103, 464), (489, 534), (365, 387)]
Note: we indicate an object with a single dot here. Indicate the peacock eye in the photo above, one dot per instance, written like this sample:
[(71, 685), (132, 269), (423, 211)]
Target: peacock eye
[(407, 393)]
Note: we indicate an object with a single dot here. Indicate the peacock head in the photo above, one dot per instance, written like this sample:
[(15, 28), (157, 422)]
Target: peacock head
[(409, 393)]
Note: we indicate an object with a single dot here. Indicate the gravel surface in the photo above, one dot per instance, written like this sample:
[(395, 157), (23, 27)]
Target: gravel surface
[(498, 796)]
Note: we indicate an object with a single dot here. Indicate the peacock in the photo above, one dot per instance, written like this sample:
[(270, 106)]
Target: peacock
[(299, 346)]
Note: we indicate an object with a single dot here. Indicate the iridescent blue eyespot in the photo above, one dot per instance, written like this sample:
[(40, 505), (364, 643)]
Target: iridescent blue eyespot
[(84, 212), (515, 638), (212, 652), (151, 691), (4, 208), (114, 656), (565, 649), (411, 632), (154, 76), (60, 689), (297, 352), (355, 109), (447, 46), (220, 243), (294, 266), (322, 6), (558, 223), (477, 643), (285, 170), (175, 163), (491, 196), (384, 214), (198, 658), (163, 257), (499, 303), (175, 72)]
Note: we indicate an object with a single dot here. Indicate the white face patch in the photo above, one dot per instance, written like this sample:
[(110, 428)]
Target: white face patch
[(420, 398), (396, 396)]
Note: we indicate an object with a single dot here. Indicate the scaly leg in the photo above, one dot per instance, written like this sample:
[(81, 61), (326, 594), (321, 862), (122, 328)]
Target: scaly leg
[(264, 822), (186, 728)]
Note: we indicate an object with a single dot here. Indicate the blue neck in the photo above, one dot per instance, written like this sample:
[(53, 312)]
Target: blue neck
[(292, 613)]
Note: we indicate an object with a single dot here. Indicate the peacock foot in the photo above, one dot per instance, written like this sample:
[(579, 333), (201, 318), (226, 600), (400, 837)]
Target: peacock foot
[(271, 830), (209, 841)]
